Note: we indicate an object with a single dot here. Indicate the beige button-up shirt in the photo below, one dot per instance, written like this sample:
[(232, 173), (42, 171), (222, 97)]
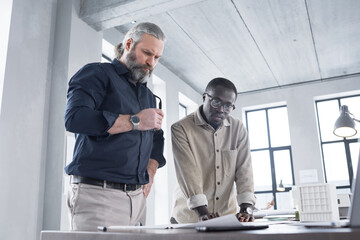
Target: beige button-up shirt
[(208, 162)]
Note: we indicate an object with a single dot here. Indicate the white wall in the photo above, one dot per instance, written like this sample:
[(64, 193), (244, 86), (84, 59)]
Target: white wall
[(24, 118), (300, 102), (5, 17), (84, 47), (47, 44)]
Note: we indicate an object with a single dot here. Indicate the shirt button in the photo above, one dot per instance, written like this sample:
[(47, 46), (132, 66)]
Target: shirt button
[(217, 150), (215, 134), (217, 167), (218, 183), (217, 198)]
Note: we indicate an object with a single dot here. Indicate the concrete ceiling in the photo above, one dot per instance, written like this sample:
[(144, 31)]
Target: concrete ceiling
[(257, 44)]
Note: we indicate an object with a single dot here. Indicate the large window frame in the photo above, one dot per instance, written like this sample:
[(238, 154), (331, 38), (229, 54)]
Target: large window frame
[(105, 58), (271, 150), (345, 141), (183, 111)]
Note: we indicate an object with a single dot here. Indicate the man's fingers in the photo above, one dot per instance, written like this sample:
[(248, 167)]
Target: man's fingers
[(243, 217), (213, 215), (146, 189), (150, 118), (160, 112)]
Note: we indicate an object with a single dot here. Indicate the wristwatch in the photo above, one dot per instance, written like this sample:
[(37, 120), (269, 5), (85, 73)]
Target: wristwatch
[(247, 208), (250, 210), (135, 120)]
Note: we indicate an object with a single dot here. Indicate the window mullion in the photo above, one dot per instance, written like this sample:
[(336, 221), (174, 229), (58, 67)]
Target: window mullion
[(272, 163), (348, 160)]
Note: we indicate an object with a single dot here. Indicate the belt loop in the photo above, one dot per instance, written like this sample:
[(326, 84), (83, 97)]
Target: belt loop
[(104, 185), (124, 187)]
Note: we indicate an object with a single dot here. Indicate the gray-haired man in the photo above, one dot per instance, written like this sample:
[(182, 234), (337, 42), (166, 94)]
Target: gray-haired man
[(113, 114)]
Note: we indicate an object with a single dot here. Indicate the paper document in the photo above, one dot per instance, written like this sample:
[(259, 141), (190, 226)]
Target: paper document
[(264, 213), (228, 220), (225, 221)]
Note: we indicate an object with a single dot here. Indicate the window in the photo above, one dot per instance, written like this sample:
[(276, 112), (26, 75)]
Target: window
[(270, 146), (182, 111), (107, 51), (70, 145), (105, 58), (340, 155), (160, 213), (186, 106)]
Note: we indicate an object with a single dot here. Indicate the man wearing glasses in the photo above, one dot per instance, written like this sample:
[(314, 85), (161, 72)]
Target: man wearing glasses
[(211, 152)]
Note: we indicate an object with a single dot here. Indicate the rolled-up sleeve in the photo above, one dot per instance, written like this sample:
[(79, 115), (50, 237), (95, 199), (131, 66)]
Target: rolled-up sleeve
[(86, 92), (244, 173), (187, 169), (158, 148)]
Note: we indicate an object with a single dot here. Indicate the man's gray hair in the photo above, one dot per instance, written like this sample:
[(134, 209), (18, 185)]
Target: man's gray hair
[(136, 33)]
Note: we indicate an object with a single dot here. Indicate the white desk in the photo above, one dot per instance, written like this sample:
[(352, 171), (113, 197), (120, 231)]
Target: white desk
[(278, 232)]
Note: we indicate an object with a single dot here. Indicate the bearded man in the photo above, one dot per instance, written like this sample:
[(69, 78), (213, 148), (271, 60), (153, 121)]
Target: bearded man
[(117, 152)]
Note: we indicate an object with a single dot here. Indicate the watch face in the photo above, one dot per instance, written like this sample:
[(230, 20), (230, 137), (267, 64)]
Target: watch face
[(249, 210), (135, 119)]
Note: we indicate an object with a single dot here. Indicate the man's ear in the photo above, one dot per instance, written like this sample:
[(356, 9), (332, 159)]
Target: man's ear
[(128, 44), (204, 97)]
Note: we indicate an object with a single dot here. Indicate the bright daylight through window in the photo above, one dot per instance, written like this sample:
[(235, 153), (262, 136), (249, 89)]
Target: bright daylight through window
[(270, 145), (339, 154)]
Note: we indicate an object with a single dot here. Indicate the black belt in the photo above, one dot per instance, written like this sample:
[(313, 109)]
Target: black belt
[(105, 184)]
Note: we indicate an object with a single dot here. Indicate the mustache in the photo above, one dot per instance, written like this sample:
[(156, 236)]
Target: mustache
[(222, 116), (143, 66)]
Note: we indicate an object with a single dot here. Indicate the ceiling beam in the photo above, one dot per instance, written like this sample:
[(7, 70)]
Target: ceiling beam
[(102, 15)]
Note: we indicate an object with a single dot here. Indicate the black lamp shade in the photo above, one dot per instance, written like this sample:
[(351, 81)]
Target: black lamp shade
[(344, 125)]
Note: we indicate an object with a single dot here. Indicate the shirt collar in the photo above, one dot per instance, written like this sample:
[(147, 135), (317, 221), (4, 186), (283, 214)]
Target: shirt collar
[(199, 120), (121, 69)]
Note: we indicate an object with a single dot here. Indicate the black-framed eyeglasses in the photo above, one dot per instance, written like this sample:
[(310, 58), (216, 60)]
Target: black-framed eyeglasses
[(216, 103)]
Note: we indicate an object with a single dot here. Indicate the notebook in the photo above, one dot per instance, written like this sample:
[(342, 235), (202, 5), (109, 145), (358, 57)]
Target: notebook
[(353, 220)]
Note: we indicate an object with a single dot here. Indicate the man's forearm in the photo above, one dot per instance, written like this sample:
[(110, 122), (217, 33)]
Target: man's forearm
[(152, 167), (201, 211), (122, 124)]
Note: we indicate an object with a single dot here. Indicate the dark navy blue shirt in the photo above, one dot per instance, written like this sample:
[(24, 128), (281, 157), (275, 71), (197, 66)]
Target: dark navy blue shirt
[(97, 94)]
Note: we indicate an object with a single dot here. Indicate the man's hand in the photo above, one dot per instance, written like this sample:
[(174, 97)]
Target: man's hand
[(203, 213), (209, 216), (244, 217), (150, 118), (245, 213), (151, 168)]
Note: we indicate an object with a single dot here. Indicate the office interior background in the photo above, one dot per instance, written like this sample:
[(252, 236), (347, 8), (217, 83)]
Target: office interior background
[(293, 62)]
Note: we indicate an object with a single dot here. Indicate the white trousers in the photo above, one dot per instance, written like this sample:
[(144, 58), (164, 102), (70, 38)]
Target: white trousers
[(92, 206)]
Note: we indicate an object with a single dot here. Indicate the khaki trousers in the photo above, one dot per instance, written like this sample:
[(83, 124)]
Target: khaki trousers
[(92, 206)]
